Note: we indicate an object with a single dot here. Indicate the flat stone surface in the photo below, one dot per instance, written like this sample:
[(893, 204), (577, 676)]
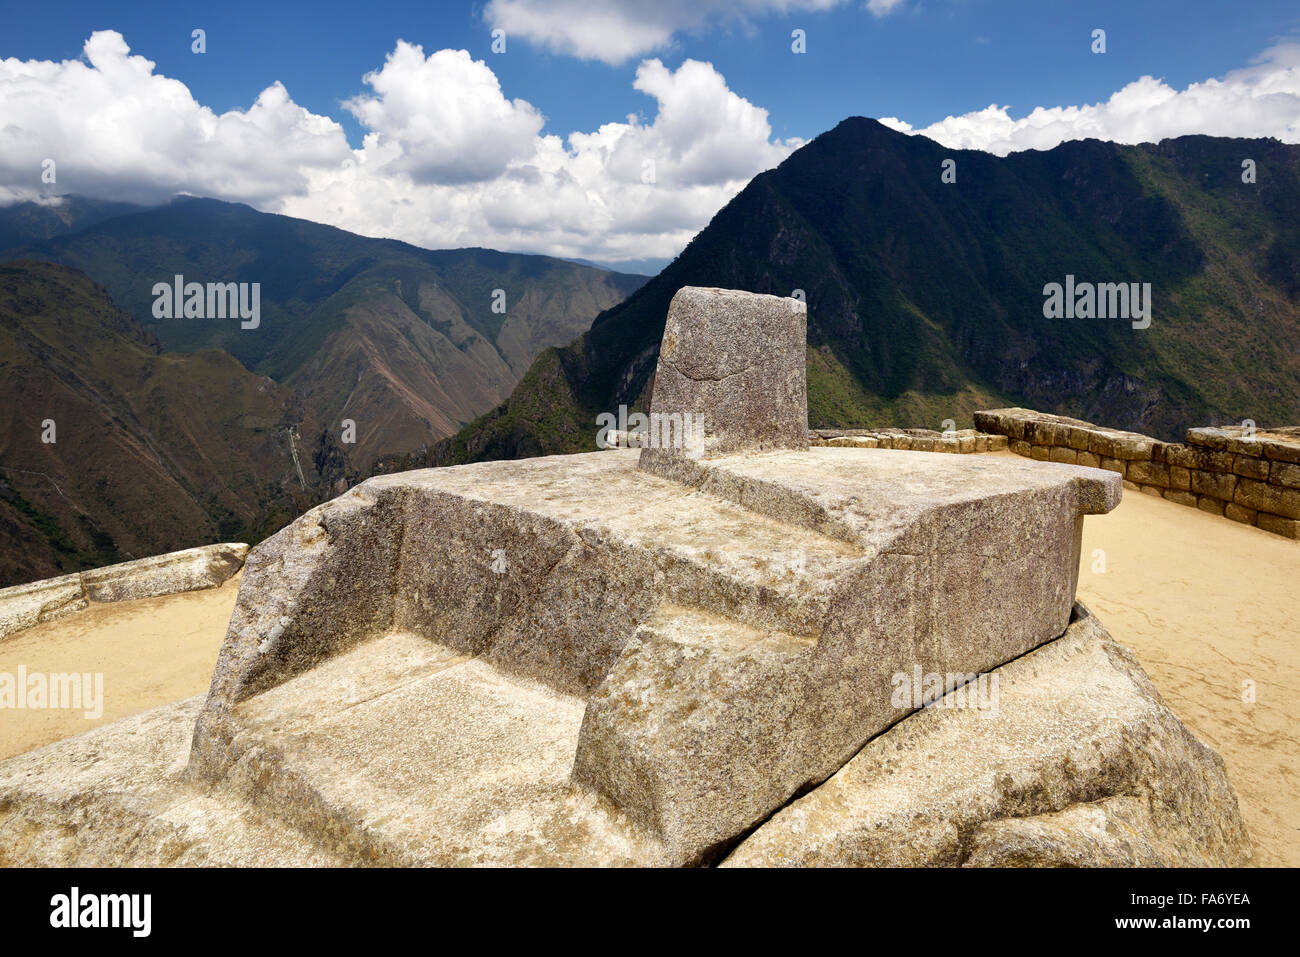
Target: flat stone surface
[(1280, 443), (22, 606), (1045, 429), (477, 775), (118, 796), (206, 566)]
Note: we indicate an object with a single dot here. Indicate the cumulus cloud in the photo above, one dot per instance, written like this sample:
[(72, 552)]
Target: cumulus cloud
[(444, 117), (1260, 100), (447, 159), (617, 30), (114, 127), (628, 190)]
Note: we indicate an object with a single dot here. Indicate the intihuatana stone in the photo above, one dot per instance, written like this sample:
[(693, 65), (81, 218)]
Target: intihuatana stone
[(786, 577), (733, 362), (640, 656)]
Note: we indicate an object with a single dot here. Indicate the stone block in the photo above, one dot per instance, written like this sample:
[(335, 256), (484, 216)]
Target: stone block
[(1250, 467), (1219, 484), (733, 362), (1264, 497), (22, 606), (1288, 527), (1237, 513), (1285, 474), (1185, 456), (1208, 503), (1148, 473), (192, 569), (958, 786)]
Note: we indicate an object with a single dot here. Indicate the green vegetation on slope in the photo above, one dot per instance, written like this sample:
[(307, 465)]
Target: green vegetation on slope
[(151, 452), (926, 298)]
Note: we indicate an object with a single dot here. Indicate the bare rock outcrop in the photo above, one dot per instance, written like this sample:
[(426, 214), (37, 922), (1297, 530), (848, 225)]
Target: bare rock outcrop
[(1078, 763)]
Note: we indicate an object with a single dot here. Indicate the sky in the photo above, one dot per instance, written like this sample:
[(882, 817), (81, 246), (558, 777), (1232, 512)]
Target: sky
[(605, 131)]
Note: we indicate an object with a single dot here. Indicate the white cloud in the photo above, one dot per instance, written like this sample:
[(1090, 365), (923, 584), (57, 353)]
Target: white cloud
[(447, 159), (614, 31), (1259, 100), (445, 117), (883, 8), (629, 190), (114, 127)]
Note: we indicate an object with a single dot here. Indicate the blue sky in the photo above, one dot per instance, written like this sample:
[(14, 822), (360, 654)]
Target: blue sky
[(919, 61)]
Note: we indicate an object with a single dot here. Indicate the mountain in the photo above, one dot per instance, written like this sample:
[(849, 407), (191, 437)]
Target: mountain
[(926, 299), (25, 223), (638, 267), (408, 343), (150, 451)]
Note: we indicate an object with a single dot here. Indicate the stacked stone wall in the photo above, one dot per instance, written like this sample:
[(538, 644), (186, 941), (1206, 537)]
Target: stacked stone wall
[(1249, 476)]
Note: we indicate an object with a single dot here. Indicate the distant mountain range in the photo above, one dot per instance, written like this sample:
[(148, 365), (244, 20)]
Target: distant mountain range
[(23, 223), (112, 449), (376, 340), (926, 298), (403, 341)]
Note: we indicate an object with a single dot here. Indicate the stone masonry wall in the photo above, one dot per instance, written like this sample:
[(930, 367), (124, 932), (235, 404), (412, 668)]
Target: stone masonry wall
[(916, 440), (1249, 478)]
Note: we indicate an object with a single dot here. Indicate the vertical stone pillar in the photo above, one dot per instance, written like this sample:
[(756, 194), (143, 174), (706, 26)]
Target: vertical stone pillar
[(731, 378)]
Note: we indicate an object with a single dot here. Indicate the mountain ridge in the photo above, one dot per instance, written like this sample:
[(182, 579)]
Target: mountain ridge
[(113, 449), (925, 298), (474, 318)]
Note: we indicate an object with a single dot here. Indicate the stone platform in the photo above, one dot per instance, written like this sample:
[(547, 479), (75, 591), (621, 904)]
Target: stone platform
[(799, 582), (659, 656)]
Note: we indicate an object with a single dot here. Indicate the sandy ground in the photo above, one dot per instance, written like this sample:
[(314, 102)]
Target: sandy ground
[(150, 652), (1208, 606)]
